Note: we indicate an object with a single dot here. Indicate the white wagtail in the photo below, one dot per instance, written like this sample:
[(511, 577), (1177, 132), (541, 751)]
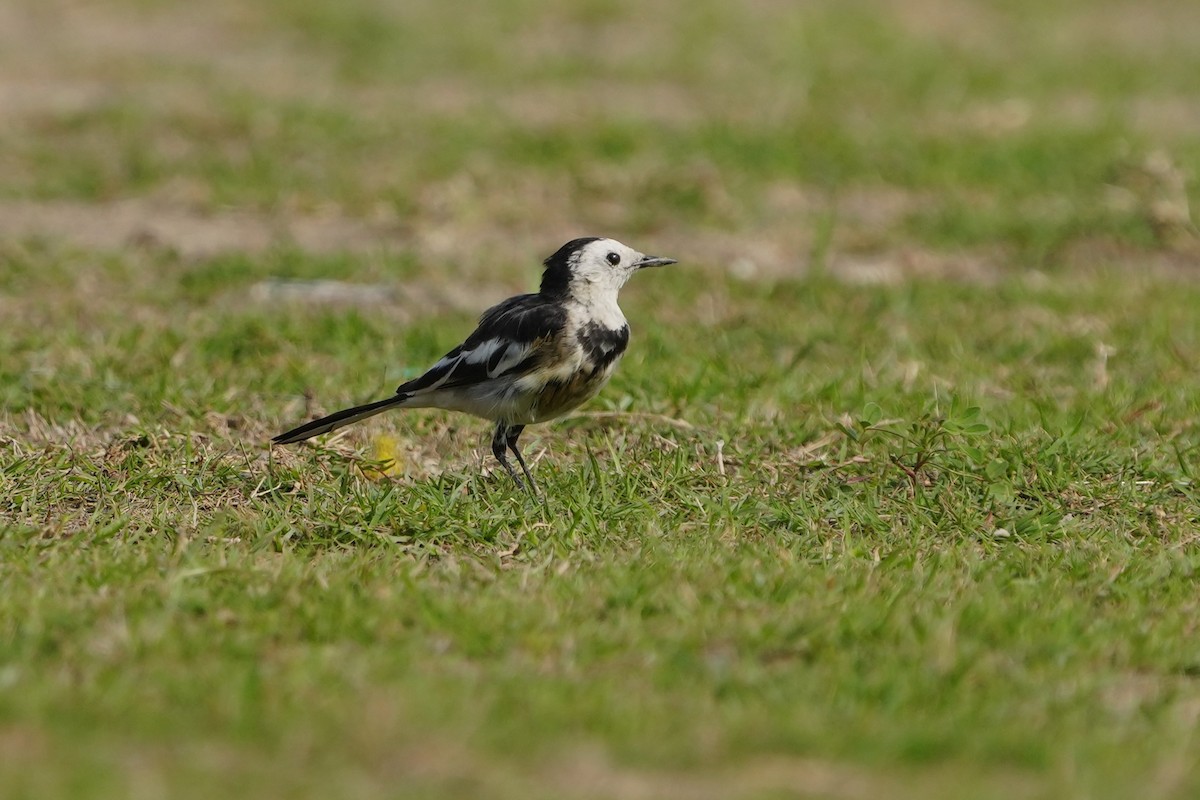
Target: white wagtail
[(533, 357)]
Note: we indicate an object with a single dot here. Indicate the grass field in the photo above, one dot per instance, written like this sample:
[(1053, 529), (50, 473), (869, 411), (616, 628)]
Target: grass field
[(894, 496)]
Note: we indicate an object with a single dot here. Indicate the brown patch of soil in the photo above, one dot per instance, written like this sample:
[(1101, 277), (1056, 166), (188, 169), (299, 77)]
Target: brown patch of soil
[(132, 222)]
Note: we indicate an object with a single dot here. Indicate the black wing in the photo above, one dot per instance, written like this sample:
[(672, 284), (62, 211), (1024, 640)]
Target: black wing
[(511, 336)]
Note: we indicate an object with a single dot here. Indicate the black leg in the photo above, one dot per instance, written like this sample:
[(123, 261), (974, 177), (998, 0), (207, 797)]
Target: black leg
[(499, 443), (513, 433)]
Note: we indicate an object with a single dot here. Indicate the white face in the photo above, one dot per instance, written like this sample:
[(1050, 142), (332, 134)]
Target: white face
[(607, 264)]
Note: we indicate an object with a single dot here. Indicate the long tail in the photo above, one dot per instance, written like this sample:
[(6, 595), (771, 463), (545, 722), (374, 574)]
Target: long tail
[(338, 419)]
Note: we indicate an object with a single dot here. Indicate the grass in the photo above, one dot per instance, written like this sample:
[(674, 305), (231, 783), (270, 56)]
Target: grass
[(894, 495)]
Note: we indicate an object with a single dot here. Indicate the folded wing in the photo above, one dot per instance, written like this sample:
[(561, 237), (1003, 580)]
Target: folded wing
[(511, 338)]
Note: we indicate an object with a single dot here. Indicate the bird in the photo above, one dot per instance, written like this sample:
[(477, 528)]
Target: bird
[(532, 358)]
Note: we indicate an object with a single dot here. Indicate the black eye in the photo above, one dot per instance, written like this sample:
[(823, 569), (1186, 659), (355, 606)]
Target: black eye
[(613, 259)]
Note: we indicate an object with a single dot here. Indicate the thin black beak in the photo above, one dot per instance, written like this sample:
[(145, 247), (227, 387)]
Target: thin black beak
[(654, 261)]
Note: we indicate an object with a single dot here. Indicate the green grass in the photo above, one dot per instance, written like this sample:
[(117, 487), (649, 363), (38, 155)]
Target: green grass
[(927, 530)]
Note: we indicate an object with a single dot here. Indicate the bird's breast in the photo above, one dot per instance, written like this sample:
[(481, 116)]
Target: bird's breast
[(600, 345), (564, 392), (581, 366)]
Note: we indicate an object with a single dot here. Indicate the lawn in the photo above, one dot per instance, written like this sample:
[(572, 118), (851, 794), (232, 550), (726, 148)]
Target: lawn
[(894, 495)]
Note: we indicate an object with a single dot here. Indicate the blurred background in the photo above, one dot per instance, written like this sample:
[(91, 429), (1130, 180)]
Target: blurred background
[(875, 139), (894, 495)]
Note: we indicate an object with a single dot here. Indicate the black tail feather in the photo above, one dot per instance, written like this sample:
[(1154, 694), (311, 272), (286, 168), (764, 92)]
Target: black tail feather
[(338, 419)]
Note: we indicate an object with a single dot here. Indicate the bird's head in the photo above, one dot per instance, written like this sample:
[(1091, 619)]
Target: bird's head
[(591, 264)]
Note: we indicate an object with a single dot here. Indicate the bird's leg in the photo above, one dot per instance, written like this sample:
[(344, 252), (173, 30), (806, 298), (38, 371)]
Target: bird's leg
[(513, 433), (499, 445)]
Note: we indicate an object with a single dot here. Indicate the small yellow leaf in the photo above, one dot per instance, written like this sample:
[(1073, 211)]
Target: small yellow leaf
[(388, 461)]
